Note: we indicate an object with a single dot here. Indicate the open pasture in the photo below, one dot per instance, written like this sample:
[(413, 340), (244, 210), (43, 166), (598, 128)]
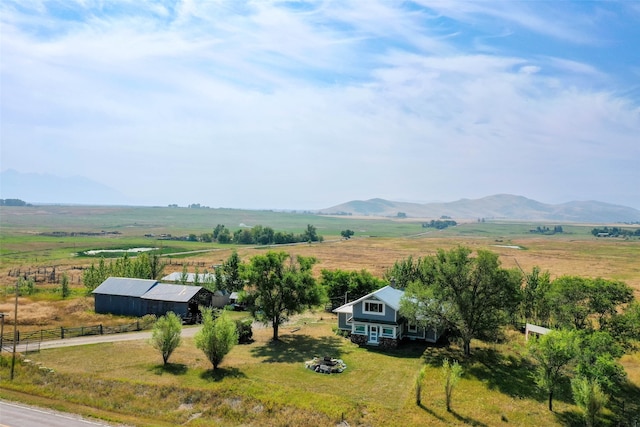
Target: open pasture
[(266, 383)]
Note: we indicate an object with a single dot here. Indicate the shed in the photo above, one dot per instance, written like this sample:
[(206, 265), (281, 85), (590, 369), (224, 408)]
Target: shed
[(181, 299), (122, 296)]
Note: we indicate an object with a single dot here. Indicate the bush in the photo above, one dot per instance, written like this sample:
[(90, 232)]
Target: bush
[(245, 333)]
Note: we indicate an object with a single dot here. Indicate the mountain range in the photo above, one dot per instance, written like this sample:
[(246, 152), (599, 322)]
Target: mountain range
[(500, 206), (37, 188)]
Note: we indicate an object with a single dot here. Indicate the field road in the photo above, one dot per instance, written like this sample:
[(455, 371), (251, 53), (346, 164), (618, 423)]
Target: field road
[(189, 331)]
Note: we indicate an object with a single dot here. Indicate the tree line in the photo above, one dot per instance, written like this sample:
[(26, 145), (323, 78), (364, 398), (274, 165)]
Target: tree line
[(257, 235), (615, 232)]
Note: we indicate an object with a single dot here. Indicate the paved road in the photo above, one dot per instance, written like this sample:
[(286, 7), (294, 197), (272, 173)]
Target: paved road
[(18, 415)]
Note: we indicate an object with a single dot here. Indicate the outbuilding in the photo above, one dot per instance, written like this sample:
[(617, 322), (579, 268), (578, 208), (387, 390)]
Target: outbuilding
[(138, 297), (122, 296), (183, 300)]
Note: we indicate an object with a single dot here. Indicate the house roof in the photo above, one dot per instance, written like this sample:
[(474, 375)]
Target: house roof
[(173, 293), (124, 286), (388, 295)]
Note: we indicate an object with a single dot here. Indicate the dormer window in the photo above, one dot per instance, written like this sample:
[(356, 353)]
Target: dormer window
[(373, 307)]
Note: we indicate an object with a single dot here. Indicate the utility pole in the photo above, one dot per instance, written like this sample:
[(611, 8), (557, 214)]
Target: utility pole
[(1, 330), (15, 331)]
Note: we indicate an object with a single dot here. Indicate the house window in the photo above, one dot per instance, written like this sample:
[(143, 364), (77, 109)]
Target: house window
[(350, 319), (413, 328), (373, 307), (360, 329), (388, 332)]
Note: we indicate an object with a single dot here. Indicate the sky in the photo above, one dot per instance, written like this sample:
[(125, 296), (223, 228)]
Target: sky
[(309, 104)]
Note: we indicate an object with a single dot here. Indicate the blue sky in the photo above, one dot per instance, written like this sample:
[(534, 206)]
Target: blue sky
[(304, 105)]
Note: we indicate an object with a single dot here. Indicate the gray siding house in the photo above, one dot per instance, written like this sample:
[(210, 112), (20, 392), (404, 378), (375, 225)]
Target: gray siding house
[(375, 320)]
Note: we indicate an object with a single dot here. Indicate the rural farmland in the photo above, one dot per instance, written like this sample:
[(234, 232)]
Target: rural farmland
[(265, 382)]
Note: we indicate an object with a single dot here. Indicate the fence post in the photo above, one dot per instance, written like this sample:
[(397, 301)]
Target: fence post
[(100, 328), (61, 332), (138, 324)]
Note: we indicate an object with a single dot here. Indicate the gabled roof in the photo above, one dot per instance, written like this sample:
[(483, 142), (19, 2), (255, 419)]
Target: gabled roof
[(388, 295), (173, 293), (124, 286)]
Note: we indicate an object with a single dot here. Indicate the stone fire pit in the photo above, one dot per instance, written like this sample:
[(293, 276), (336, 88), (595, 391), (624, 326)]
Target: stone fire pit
[(326, 365)]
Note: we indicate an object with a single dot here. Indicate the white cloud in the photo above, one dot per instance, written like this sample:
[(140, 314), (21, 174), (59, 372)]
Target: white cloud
[(261, 105)]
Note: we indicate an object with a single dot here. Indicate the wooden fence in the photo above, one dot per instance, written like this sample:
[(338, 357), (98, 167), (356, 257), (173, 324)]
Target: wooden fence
[(7, 338)]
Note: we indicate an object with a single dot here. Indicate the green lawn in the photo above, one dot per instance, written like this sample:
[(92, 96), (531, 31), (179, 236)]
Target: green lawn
[(266, 383)]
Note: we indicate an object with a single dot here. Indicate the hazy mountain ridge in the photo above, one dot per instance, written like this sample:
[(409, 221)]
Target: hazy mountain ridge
[(500, 206), (44, 188)]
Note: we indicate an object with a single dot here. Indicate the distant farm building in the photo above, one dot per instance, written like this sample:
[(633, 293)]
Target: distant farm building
[(138, 297)]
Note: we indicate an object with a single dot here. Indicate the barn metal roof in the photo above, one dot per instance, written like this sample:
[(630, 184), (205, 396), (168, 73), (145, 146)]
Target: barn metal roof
[(124, 286), (173, 293)]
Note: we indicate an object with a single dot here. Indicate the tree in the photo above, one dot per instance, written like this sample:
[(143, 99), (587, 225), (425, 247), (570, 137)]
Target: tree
[(232, 273), (570, 298), (589, 397), (473, 296), (607, 296), (64, 286), (166, 335), (553, 352), (217, 336), (279, 290), (451, 373), (184, 275), (597, 360), (346, 234), (406, 271), (311, 234), (625, 326), (344, 286), (535, 301)]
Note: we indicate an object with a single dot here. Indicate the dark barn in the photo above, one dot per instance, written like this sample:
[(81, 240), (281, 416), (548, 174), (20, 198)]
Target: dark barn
[(137, 297), (181, 299), (121, 296)]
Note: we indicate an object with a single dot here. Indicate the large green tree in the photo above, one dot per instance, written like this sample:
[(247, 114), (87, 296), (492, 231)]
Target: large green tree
[(166, 335), (232, 273), (535, 296), (280, 286), (343, 286), (553, 352), (217, 336), (473, 296)]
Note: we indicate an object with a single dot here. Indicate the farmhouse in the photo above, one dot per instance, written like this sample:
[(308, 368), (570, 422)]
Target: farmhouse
[(137, 297), (374, 319)]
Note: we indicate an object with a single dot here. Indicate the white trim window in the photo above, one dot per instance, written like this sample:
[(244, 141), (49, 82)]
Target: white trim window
[(373, 307), (412, 328), (388, 332), (360, 329)]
